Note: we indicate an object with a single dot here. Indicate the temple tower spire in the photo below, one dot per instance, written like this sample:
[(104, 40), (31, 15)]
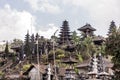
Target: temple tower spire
[(65, 36)]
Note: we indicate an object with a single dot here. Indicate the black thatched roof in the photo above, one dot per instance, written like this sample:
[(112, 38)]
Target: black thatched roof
[(69, 61), (84, 64), (87, 26), (98, 38)]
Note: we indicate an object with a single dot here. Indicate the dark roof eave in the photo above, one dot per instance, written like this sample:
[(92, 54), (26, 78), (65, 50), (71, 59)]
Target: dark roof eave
[(85, 29)]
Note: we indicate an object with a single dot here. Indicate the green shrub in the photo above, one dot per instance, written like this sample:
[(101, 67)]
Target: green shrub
[(26, 67), (1, 73)]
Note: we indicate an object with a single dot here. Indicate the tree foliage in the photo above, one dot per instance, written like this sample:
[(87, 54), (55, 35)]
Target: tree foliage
[(59, 53), (84, 47), (113, 48), (27, 44), (87, 48), (101, 49), (75, 38), (112, 28), (6, 49)]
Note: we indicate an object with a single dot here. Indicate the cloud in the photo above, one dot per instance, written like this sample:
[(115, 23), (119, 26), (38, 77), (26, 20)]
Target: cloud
[(100, 12), (49, 32), (44, 6), (14, 23)]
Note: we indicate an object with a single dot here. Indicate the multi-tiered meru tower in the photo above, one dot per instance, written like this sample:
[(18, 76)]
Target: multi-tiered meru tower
[(65, 36)]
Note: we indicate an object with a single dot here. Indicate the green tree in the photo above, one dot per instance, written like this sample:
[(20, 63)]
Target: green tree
[(87, 48), (101, 49), (75, 38), (112, 28), (84, 47), (27, 44), (6, 49), (113, 49), (59, 54)]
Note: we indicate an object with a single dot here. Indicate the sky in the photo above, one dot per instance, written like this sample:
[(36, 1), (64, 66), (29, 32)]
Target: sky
[(46, 16)]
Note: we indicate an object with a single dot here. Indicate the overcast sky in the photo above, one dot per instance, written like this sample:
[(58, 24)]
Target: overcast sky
[(46, 16)]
